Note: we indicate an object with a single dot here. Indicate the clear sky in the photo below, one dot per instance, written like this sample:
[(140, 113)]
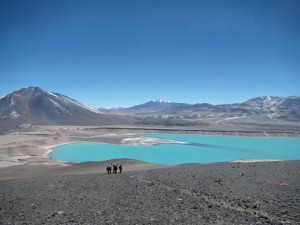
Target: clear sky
[(122, 53)]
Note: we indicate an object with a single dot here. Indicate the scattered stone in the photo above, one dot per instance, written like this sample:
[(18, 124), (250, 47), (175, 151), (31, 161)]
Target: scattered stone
[(218, 180), (283, 184), (33, 206), (257, 204), (59, 213)]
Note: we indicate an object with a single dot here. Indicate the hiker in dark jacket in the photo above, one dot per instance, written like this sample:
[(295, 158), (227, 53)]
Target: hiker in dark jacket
[(108, 169), (115, 168), (120, 168)]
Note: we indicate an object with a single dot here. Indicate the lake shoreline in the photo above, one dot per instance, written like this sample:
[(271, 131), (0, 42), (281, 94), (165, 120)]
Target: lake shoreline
[(183, 149), (26, 149)]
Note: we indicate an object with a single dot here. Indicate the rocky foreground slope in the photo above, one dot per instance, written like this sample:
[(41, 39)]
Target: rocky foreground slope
[(222, 193)]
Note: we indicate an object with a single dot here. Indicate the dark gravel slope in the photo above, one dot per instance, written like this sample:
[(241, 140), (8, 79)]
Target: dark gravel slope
[(222, 193)]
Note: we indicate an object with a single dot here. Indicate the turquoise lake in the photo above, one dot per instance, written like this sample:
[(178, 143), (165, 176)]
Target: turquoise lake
[(201, 149)]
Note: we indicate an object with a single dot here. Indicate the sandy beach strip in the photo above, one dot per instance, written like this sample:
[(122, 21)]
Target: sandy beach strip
[(255, 160)]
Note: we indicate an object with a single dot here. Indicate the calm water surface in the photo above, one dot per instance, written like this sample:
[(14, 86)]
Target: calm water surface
[(201, 149)]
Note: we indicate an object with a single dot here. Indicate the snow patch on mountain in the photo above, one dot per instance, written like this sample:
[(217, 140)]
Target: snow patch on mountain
[(267, 99), (69, 101), (161, 101), (14, 115), (271, 116), (12, 102), (57, 105)]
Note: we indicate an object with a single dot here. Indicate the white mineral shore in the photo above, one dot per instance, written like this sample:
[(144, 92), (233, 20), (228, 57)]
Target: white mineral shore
[(33, 148), (148, 141)]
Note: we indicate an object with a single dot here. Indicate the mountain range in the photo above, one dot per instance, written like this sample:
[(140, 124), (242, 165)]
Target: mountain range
[(32, 106), (268, 107)]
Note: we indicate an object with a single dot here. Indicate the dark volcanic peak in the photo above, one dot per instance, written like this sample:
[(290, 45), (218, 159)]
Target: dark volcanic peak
[(16, 104), (36, 101), (33, 105)]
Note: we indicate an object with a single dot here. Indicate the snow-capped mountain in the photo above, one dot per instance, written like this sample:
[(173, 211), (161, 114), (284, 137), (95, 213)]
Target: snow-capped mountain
[(267, 109), (264, 103), (161, 101), (276, 107), (35, 106), (154, 106)]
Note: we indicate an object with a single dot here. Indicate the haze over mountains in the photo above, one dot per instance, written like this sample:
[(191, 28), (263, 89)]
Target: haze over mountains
[(33, 106)]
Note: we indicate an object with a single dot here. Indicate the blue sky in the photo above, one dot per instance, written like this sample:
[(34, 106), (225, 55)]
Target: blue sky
[(122, 53)]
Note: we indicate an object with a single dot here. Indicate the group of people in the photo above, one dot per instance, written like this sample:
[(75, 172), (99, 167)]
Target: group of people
[(114, 168)]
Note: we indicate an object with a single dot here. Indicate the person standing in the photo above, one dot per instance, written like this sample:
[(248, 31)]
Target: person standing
[(108, 169), (115, 168), (120, 168)]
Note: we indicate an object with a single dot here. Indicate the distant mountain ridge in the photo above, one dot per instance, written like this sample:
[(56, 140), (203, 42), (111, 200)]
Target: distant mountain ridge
[(182, 114), (156, 105), (148, 107), (269, 105), (32, 106)]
